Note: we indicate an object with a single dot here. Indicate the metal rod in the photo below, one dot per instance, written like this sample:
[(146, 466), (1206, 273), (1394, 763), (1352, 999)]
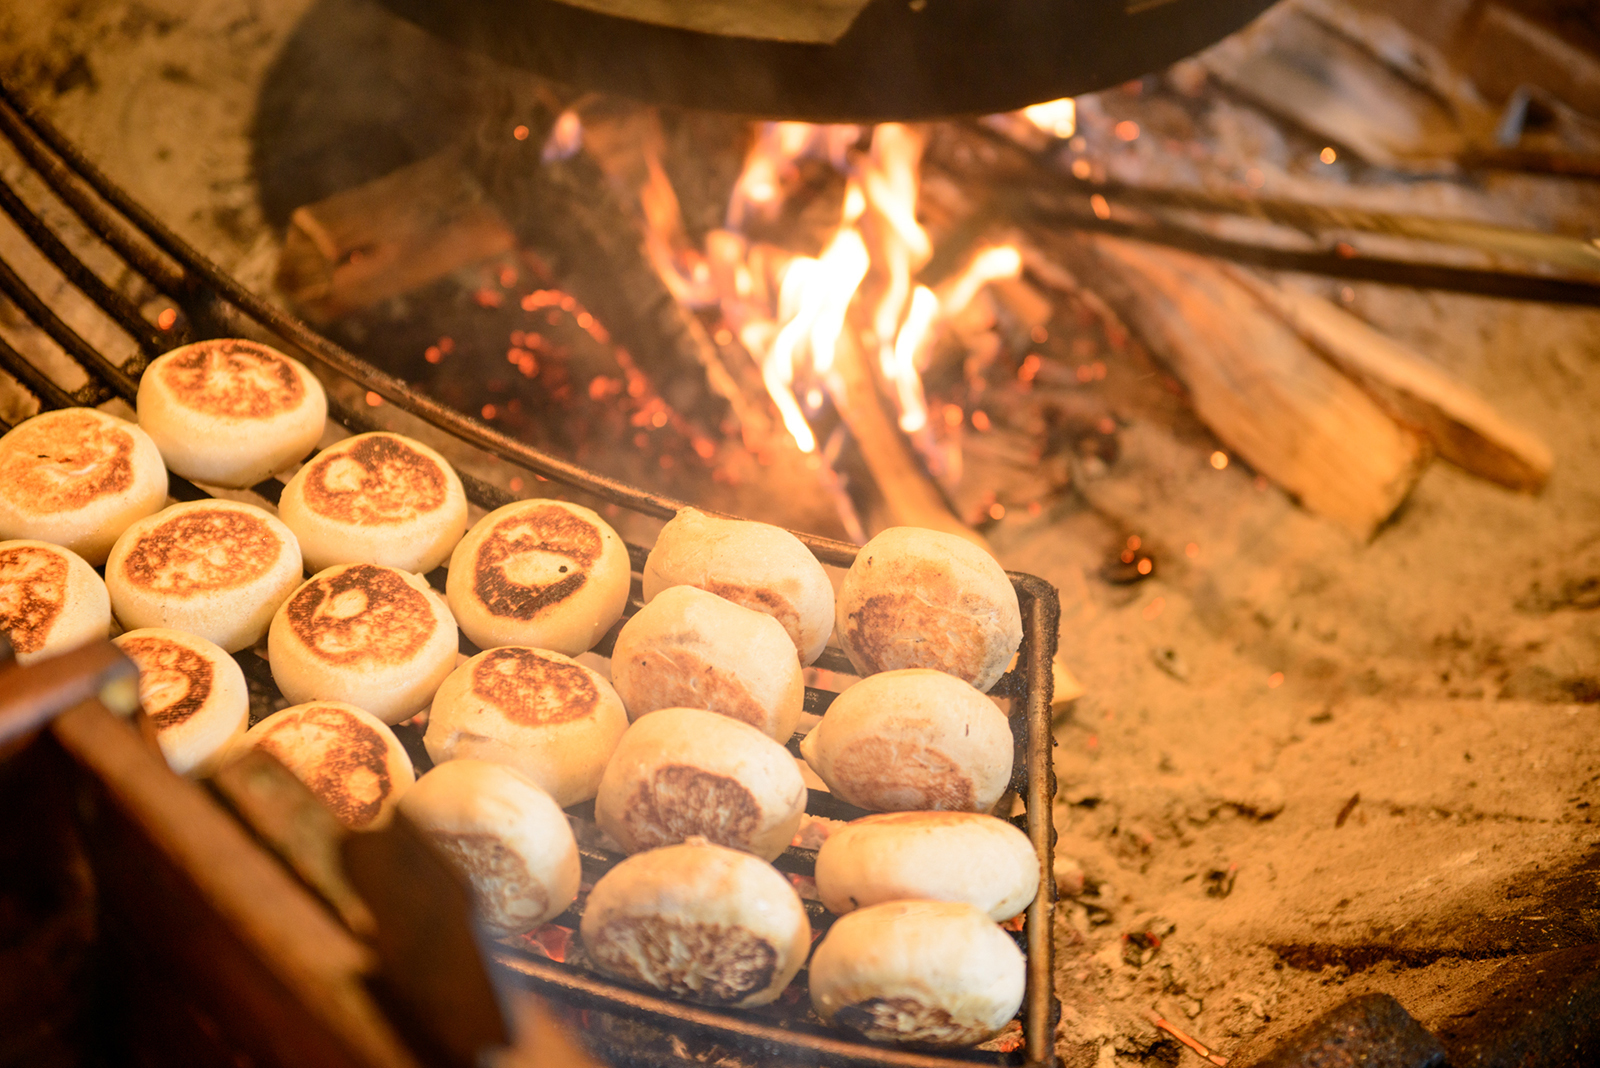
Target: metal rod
[(150, 339), (12, 285)]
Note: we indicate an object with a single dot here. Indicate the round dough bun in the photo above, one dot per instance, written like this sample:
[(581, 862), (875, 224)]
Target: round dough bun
[(700, 922), (550, 717), (349, 758), (692, 649), (929, 856), (926, 973), (757, 565), (358, 632), (229, 412), (913, 740), (51, 601), (193, 692), (919, 598), (216, 569), (376, 499), (543, 573), (507, 836), (77, 478), (683, 772)]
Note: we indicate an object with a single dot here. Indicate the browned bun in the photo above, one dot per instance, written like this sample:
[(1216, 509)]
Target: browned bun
[(230, 412), (215, 568), (700, 922), (193, 692), (755, 565), (692, 649), (540, 573), (50, 600), (376, 499), (364, 633), (348, 758), (913, 740), (550, 717), (77, 478), (918, 598)]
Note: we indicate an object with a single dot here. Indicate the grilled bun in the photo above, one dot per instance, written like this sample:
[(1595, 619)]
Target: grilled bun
[(756, 565), (919, 598), (50, 600), (216, 569), (683, 772), (229, 412), (193, 692), (505, 835), (928, 973), (912, 740), (699, 922), (358, 632), (376, 499), (550, 717), (541, 573), (77, 478), (928, 856), (349, 758), (692, 649)]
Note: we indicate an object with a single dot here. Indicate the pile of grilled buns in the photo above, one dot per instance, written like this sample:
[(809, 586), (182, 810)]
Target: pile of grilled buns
[(681, 746)]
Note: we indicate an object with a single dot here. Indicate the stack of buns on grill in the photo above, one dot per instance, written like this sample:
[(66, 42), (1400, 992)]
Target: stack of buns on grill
[(682, 748)]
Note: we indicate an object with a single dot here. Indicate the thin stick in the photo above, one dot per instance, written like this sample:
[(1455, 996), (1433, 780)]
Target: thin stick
[(1193, 1043)]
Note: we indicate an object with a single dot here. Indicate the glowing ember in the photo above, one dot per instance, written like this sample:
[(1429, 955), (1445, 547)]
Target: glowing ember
[(1058, 118), (566, 138)]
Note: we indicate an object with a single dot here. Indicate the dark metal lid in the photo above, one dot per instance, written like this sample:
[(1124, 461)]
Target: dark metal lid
[(951, 57)]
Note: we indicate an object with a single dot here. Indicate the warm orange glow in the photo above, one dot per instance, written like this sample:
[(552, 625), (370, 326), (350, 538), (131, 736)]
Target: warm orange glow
[(566, 137), (1126, 130), (987, 265), (1102, 209), (1274, 680), (1058, 118), (1328, 155), (167, 318), (373, 400), (1219, 460)]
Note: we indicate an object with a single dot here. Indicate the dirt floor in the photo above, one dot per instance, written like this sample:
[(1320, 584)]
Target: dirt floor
[(1304, 767)]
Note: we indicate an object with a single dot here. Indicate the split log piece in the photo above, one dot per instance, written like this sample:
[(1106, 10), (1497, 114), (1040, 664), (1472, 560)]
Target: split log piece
[(1463, 426), (910, 497), (1287, 412), (388, 237)]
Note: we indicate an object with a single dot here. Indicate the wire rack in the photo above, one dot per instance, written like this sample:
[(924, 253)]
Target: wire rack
[(216, 305)]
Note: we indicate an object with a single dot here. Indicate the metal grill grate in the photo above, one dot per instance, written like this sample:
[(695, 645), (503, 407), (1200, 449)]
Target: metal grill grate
[(216, 305)]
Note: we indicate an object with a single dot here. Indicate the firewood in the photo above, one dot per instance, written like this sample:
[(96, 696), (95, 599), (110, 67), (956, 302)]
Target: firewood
[(1463, 426), (1321, 80), (388, 237), (1288, 413), (909, 495)]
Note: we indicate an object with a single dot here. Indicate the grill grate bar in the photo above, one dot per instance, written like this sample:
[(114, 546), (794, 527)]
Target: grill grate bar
[(87, 356), (151, 340)]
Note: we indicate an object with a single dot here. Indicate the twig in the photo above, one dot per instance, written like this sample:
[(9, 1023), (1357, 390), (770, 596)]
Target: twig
[(1193, 1043)]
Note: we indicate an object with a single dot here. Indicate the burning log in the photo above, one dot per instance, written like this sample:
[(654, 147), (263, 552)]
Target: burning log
[(1260, 388), (910, 497), (418, 224), (1461, 424)]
